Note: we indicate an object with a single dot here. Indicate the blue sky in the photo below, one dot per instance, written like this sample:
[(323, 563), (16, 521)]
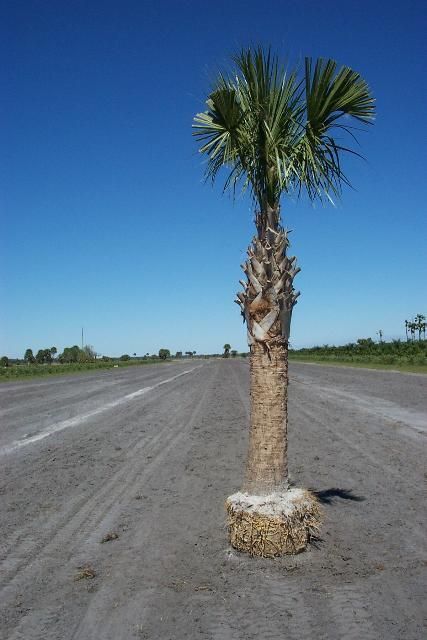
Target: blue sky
[(105, 220)]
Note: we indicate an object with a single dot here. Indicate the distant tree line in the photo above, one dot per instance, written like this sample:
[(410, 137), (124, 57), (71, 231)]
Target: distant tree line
[(76, 355), (42, 356), (367, 350), (70, 354)]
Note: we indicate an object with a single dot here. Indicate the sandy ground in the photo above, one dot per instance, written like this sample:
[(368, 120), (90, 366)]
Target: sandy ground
[(150, 455)]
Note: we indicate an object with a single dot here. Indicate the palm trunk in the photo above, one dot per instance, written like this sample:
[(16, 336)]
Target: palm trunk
[(267, 464), (267, 302), (266, 519)]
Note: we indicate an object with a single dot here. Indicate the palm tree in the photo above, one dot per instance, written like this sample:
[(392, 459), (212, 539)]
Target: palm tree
[(272, 131), (420, 324), (29, 357), (226, 348)]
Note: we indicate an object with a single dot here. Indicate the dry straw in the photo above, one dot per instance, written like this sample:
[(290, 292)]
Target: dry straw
[(273, 525)]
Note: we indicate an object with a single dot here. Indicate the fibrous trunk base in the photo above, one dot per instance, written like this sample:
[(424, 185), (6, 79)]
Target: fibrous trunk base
[(273, 525)]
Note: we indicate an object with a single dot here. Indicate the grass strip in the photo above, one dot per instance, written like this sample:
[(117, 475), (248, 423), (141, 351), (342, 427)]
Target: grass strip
[(400, 367)]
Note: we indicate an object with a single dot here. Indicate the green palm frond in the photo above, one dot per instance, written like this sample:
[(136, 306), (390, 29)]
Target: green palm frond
[(329, 95), (273, 130)]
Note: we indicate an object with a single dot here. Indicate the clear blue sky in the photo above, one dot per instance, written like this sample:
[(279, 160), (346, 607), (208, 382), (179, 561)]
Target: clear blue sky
[(105, 220)]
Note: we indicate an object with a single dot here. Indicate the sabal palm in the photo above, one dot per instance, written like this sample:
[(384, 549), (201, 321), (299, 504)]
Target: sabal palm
[(272, 130)]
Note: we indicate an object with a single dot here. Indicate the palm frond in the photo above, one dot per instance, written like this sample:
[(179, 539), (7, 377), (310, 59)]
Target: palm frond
[(273, 130), (329, 97)]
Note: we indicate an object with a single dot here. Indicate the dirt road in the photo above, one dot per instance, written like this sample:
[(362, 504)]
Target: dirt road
[(149, 454)]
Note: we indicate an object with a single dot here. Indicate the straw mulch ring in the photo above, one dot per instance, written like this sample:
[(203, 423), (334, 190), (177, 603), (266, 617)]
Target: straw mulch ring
[(274, 524)]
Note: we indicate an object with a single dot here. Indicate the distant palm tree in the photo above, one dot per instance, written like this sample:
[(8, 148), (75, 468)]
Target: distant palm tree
[(29, 357), (420, 324), (226, 348), (273, 132)]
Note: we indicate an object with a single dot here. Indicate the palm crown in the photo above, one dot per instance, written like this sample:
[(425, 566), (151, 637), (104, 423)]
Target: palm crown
[(272, 129)]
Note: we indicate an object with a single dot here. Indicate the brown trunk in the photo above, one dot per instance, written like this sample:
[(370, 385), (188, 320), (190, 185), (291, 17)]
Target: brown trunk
[(266, 303), (267, 465)]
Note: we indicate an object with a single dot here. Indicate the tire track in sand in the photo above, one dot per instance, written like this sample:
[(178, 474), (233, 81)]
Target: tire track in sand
[(95, 624), (70, 528)]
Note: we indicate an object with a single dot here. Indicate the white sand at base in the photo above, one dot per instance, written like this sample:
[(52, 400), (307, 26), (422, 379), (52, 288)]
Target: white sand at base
[(273, 504)]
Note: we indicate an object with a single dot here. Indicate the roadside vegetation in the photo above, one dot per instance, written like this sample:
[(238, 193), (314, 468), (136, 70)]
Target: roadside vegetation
[(397, 354), (21, 370), (73, 359)]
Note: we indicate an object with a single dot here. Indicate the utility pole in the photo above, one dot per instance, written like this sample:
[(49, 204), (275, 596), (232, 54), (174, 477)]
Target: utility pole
[(82, 338)]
